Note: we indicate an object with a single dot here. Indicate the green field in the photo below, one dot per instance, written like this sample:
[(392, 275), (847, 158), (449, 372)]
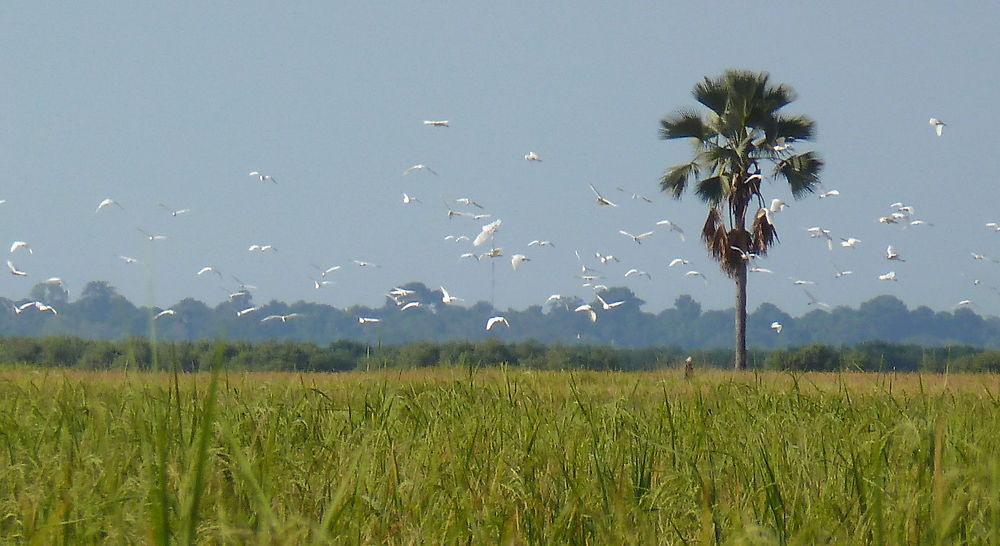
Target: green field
[(447, 456)]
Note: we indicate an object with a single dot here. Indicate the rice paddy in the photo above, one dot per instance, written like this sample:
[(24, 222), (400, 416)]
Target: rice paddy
[(498, 455)]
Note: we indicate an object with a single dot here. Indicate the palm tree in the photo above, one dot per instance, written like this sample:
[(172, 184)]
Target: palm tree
[(743, 131)]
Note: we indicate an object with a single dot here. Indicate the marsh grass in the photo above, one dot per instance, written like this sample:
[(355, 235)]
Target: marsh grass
[(498, 456)]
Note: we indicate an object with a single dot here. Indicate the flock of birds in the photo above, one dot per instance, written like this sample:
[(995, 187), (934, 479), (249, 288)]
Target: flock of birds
[(482, 241)]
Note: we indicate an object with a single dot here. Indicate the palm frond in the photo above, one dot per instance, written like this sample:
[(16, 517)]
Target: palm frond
[(762, 233), (684, 124), (794, 127), (675, 179), (712, 224), (713, 94), (801, 171), (711, 190)]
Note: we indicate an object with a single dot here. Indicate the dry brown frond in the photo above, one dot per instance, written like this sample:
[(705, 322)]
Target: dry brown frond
[(712, 223), (764, 235)]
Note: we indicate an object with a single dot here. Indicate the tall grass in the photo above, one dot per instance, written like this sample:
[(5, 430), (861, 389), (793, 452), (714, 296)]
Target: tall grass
[(466, 455)]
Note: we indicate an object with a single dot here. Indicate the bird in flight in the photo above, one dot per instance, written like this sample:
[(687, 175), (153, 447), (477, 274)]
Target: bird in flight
[(531, 156), (108, 202), (776, 326), (368, 320), (261, 248), (608, 306), (891, 254), (938, 125), (209, 269), (128, 259), (536, 242), (493, 321), (677, 261), (419, 167), (407, 199), (152, 237), (14, 270), (637, 272), (673, 227), (600, 199), (247, 311), (447, 298), (440, 123), (586, 308), (20, 244), (890, 276), (486, 232), (175, 212), (164, 313), (637, 238), (517, 259), (263, 177), (282, 318)]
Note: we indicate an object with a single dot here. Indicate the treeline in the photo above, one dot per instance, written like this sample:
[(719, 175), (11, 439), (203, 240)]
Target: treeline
[(138, 353), (100, 313)]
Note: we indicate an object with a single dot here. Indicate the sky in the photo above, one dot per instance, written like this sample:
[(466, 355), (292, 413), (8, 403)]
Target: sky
[(152, 104)]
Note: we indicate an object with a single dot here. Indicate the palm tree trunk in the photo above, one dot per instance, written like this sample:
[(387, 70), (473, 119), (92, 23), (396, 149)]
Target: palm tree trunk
[(741, 316)]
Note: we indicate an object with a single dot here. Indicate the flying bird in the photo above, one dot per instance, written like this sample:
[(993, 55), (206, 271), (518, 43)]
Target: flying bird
[(637, 272), (362, 263), (890, 276), (441, 123), (419, 167), (891, 254), (831, 193), (14, 270), (486, 232), (263, 177), (677, 261), (608, 306), (152, 237), (532, 156), (408, 199), (536, 242), (673, 227), (128, 259), (697, 274), (493, 321), (517, 259), (814, 301), (777, 205), (447, 298), (209, 269), (282, 318), (175, 212), (600, 199), (586, 308), (20, 244), (107, 203), (164, 313), (368, 320), (776, 326), (247, 311), (938, 125), (637, 238), (850, 242), (466, 201)]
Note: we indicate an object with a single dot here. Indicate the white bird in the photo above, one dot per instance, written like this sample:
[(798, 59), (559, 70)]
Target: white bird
[(368, 320), (401, 292), (677, 261), (419, 167), (152, 237), (328, 270), (634, 195), (744, 255), (128, 260), (54, 280), (362, 263), (799, 282), (493, 253), (14, 271), (466, 201), (890, 276), (209, 269), (891, 254), (536, 242), (993, 225), (608, 306), (814, 301), (553, 298), (782, 144), (831, 193), (486, 232), (441, 123), (408, 200), (820, 233), (410, 305), (481, 216), (263, 177), (977, 256), (963, 302), (842, 273), (849, 242), (600, 199), (175, 212), (517, 259), (776, 326), (468, 255), (760, 270), (673, 227), (887, 220), (456, 238), (532, 156), (262, 248), (938, 125), (586, 308), (107, 203), (777, 205), (637, 238), (18, 309), (493, 321), (637, 272), (247, 311), (164, 313), (20, 244), (605, 259), (282, 318), (920, 223), (696, 274), (320, 284), (447, 298)]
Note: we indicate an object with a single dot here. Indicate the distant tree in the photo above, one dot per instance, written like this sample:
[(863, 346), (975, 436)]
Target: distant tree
[(743, 129)]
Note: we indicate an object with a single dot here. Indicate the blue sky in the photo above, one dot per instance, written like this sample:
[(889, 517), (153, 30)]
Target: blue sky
[(150, 104)]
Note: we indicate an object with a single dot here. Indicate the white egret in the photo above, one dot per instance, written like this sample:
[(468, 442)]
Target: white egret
[(320, 284), (175, 212), (638, 273), (891, 254), (677, 261), (419, 167), (814, 301), (439, 123), (600, 199), (362, 263), (14, 270), (263, 177), (937, 124), (466, 201), (693, 273), (760, 270), (209, 269), (20, 244), (536, 242), (637, 238), (849, 242), (368, 320), (411, 305), (282, 318), (152, 237), (776, 326), (890, 276), (247, 311), (831, 193), (608, 306), (673, 227), (407, 199), (107, 203), (532, 156), (486, 232), (164, 313), (517, 259), (447, 298), (777, 205), (128, 259), (493, 321), (586, 308)]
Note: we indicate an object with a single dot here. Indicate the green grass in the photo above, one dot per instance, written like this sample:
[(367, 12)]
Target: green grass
[(498, 456)]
